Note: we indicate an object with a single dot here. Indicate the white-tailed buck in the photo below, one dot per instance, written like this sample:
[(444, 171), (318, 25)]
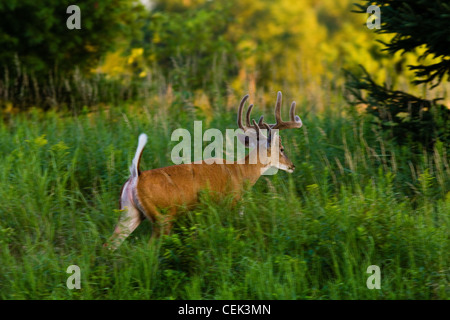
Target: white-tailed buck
[(157, 194)]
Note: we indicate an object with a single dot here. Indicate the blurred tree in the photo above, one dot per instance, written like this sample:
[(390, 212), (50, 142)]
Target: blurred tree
[(415, 24), (36, 33), (259, 43), (188, 41), (40, 55)]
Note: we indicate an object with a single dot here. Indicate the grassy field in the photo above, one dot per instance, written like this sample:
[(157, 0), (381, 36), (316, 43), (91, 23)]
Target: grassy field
[(356, 199)]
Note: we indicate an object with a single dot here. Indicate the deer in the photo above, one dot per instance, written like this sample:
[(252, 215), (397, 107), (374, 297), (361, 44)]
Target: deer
[(147, 193)]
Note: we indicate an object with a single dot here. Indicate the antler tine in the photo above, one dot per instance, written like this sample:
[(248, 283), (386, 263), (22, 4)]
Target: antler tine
[(278, 108), (295, 121), (261, 121), (265, 125), (256, 127), (247, 116), (292, 111), (294, 118), (241, 106), (269, 131)]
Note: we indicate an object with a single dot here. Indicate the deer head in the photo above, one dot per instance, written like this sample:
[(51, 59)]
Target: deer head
[(269, 140)]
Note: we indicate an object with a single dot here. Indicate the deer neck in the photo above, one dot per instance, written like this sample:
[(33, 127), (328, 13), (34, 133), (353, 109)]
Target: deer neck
[(251, 171)]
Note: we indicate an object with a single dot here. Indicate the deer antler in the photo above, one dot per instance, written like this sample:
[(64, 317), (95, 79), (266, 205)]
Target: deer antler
[(247, 116), (295, 122), (142, 194), (255, 126)]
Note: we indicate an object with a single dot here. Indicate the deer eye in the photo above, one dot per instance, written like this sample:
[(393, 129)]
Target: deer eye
[(282, 149)]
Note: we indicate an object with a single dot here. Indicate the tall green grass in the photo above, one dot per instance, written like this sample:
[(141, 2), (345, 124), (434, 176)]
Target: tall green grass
[(355, 200)]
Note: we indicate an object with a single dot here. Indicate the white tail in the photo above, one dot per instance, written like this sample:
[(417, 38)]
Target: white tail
[(134, 169), (146, 193)]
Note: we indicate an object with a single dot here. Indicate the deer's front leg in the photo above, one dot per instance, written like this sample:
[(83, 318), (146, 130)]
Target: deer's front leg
[(162, 222)]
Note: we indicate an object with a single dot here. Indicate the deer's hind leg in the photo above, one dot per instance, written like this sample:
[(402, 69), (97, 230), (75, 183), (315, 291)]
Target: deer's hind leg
[(129, 220)]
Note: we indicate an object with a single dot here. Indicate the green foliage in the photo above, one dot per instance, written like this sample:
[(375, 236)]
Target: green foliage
[(208, 48), (414, 24), (408, 118), (37, 34), (38, 48), (256, 43), (190, 44), (354, 200)]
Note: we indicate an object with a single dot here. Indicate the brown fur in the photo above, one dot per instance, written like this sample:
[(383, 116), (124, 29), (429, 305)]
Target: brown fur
[(157, 194)]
